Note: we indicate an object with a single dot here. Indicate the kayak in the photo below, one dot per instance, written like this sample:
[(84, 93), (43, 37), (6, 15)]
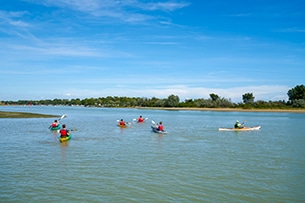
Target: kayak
[(55, 128), (122, 126), (158, 131), (64, 139), (240, 129)]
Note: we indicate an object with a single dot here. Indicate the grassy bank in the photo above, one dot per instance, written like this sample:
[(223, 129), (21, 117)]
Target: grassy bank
[(7, 114)]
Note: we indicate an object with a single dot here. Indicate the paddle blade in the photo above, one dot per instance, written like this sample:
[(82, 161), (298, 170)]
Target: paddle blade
[(63, 116)]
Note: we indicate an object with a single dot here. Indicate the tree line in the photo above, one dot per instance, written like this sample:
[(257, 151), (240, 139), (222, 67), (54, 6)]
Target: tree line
[(296, 100)]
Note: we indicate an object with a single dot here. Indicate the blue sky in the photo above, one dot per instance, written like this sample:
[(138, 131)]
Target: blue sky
[(136, 48)]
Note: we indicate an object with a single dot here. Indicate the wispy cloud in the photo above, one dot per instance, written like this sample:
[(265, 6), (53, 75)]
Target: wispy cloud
[(294, 29), (163, 6), (241, 14), (127, 10), (13, 18), (66, 47), (184, 92)]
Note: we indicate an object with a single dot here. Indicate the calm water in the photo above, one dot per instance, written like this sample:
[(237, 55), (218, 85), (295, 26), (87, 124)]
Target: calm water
[(194, 162)]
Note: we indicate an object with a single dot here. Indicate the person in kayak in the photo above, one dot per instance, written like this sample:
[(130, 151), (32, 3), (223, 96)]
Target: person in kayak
[(122, 122), (238, 125), (160, 126), (64, 132), (54, 124), (140, 119)]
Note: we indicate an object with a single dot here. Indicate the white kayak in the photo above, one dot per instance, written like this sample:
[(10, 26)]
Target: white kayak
[(240, 129)]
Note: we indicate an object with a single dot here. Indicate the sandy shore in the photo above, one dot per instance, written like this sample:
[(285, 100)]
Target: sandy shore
[(229, 109)]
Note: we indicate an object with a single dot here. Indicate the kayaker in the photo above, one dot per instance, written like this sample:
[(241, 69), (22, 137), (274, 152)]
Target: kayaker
[(64, 132), (55, 124), (122, 122), (160, 126), (238, 125), (140, 119)]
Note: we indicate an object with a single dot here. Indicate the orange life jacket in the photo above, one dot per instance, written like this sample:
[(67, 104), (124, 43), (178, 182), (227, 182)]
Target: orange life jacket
[(160, 127)]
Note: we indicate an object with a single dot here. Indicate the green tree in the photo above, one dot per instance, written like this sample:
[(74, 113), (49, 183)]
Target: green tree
[(298, 92), (248, 98), (214, 97), (172, 101)]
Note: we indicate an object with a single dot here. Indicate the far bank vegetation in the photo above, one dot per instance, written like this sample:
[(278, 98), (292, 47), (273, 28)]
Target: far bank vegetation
[(296, 101)]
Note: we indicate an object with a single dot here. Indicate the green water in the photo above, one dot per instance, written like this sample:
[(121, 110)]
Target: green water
[(194, 162)]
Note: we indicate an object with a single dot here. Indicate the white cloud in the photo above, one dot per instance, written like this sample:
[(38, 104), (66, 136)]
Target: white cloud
[(265, 93)]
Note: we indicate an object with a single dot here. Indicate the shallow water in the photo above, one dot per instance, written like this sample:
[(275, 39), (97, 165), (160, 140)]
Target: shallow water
[(194, 162)]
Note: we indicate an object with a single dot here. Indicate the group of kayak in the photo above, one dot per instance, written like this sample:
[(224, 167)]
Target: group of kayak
[(64, 133), (157, 128)]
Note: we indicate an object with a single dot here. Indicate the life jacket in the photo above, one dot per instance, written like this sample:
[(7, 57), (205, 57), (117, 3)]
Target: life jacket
[(54, 124), (63, 132), (121, 123), (160, 127), (140, 119)]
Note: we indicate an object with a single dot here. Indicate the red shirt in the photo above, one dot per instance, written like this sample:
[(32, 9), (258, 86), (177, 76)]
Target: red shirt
[(63, 133)]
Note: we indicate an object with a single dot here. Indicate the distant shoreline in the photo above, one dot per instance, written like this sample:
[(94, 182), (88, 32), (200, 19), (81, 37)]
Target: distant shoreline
[(225, 109)]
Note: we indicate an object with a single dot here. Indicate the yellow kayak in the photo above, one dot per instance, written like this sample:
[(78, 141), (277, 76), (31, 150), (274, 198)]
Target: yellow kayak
[(64, 139), (122, 126)]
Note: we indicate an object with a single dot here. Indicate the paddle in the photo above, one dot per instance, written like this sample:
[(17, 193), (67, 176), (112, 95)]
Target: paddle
[(154, 123), (63, 116), (75, 129), (243, 123)]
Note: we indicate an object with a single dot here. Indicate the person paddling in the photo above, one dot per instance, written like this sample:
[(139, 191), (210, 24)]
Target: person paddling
[(140, 119), (122, 122), (64, 132), (54, 124), (238, 125), (160, 126)]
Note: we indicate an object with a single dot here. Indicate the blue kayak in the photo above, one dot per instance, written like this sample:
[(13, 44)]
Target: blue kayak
[(158, 131)]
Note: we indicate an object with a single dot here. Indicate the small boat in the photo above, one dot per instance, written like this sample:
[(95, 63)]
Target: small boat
[(127, 124), (55, 128), (122, 126), (64, 139), (158, 131), (240, 129)]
